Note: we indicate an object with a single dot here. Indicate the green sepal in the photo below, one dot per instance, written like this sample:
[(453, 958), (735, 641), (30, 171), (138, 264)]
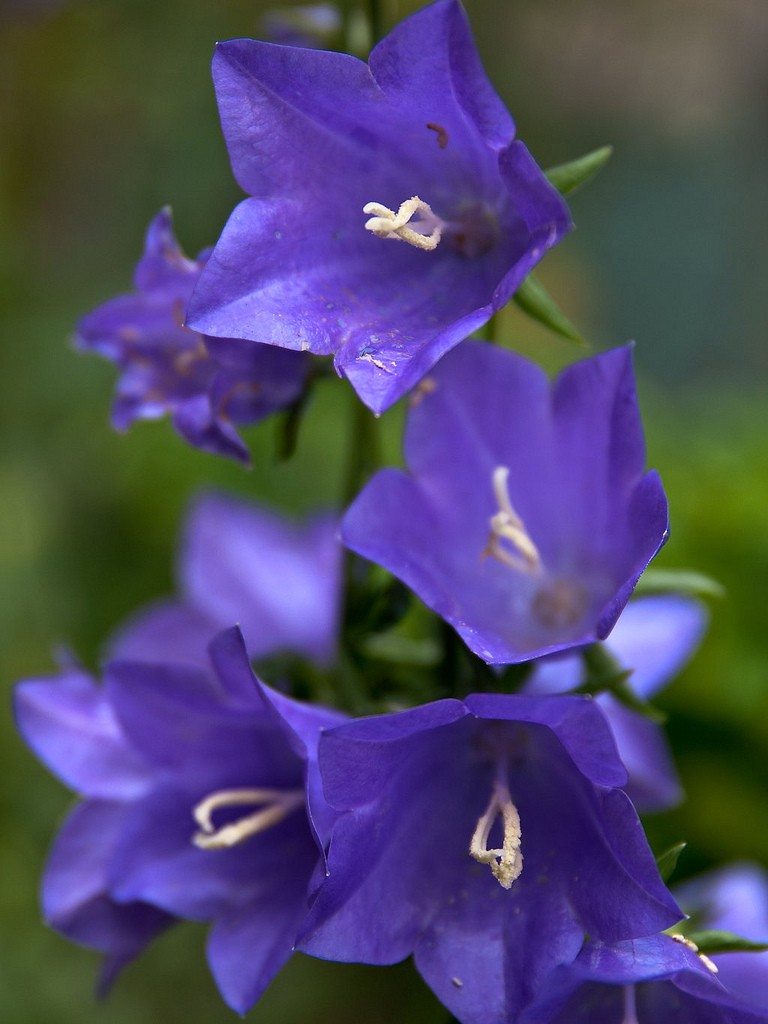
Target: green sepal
[(667, 861), (710, 942), (568, 177), (534, 300), (679, 581), (604, 674)]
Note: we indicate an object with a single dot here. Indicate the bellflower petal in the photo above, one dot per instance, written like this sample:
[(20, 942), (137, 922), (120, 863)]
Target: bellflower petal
[(75, 896), (526, 516), (643, 981), (295, 265), (225, 827), (68, 722), (406, 873), (279, 580), (167, 368)]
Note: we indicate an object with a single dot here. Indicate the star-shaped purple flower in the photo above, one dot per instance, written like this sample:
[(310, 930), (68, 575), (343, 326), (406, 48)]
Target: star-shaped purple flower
[(734, 899), (652, 980), (653, 638), (526, 516), (392, 211), (208, 385), (485, 837), (202, 801), (279, 580)]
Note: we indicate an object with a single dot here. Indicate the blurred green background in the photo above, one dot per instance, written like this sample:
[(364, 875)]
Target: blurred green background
[(106, 114)]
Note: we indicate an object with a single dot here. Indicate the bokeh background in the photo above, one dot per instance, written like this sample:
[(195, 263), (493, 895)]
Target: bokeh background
[(106, 114)]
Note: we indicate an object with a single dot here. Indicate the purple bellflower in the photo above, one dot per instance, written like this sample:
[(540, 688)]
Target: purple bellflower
[(526, 517), (392, 211), (734, 899), (654, 980), (202, 800), (485, 837), (280, 581), (654, 638), (207, 385)]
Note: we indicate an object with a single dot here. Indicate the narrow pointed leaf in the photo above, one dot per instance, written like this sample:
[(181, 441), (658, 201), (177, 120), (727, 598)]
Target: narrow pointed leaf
[(568, 177), (667, 861), (725, 942), (679, 581), (534, 300)]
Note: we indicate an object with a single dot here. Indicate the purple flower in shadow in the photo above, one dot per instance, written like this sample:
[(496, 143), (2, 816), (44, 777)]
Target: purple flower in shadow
[(202, 800), (526, 516), (391, 210), (654, 980), (208, 386)]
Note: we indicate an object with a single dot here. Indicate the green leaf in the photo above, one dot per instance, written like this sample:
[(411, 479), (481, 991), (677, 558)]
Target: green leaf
[(679, 581), (568, 177), (709, 942), (667, 861), (533, 298), (397, 649)]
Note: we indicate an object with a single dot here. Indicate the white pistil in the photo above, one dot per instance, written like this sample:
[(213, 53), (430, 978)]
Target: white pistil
[(630, 1007), (274, 804), (689, 944), (424, 232), (506, 525), (506, 864)]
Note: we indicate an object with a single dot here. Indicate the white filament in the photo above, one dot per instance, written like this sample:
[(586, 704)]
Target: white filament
[(709, 964), (630, 1008), (274, 804), (506, 525), (506, 863), (424, 232)]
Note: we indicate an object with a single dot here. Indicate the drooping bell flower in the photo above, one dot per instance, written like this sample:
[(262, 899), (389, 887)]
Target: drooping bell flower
[(278, 579), (653, 639), (485, 838), (202, 801), (657, 980), (526, 515), (391, 210), (208, 386), (734, 899)]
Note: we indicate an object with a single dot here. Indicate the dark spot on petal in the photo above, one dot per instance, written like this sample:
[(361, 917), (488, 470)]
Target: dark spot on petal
[(440, 132)]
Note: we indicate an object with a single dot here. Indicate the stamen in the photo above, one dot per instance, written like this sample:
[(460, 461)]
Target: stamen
[(276, 804), (684, 941), (506, 525), (630, 1006), (424, 232), (506, 864)]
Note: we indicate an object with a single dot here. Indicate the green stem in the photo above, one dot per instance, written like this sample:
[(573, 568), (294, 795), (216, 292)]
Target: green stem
[(376, 20), (363, 452)]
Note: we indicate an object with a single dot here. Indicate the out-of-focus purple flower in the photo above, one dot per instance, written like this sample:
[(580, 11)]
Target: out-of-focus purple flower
[(202, 801), (209, 386), (526, 516), (303, 25), (734, 899), (485, 837), (279, 580), (654, 637), (392, 211), (654, 980)]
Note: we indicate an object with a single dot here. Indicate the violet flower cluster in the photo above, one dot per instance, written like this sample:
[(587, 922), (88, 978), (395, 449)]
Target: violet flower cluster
[(489, 828)]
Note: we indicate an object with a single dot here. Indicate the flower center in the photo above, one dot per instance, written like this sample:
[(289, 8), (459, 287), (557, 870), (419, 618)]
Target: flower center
[(414, 223), (273, 804), (709, 964), (506, 864), (630, 1007), (509, 542)]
